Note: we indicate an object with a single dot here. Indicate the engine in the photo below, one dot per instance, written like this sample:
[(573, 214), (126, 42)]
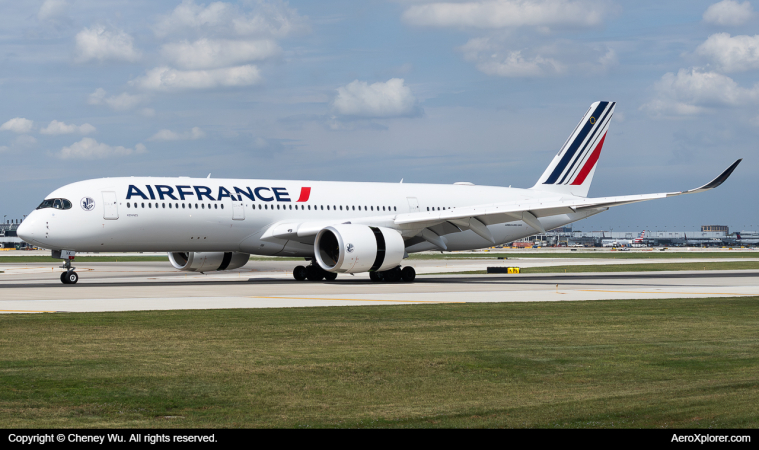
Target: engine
[(348, 248), (208, 261)]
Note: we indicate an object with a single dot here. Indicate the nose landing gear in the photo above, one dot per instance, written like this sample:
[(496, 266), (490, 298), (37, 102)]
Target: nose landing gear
[(69, 276)]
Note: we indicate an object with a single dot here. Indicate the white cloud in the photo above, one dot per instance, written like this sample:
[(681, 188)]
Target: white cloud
[(101, 44), (492, 62), (275, 19), (508, 13), (731, 54), (168, 79), (210, 54), (89, 148), (17, 125), (729, 12), (52, 9), (692, 91), (168, 135), (56, 127), (121, 102), (390, 99), (491, 56), (25, 141)]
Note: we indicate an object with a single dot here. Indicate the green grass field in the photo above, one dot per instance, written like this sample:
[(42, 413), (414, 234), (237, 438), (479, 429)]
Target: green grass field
[(684, 363), (589, 255), (653, 267)]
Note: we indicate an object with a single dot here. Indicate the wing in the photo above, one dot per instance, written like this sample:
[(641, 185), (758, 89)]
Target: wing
[(432, 224), (477, 217)]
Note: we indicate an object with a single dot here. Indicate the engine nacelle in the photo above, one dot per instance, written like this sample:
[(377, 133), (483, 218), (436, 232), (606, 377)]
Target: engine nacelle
[(208, 261), (348, 248)]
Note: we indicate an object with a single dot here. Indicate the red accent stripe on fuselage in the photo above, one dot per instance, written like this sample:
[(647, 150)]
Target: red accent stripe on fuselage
[(305, 193), (590, 163)]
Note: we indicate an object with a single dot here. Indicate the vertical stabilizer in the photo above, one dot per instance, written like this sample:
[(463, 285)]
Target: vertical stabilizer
[(572, 169)]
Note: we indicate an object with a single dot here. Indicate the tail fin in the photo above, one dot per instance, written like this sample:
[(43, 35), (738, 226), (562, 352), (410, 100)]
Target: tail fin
[(571, 171)]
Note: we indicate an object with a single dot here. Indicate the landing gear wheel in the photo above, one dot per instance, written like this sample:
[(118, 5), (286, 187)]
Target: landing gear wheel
[(375, 276), (69, 277), (299, 273), (392, 275), (330, 276), (314, 273), (408, 274)]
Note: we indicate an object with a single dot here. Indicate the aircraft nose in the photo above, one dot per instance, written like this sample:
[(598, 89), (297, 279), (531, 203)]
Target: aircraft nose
[(28, 230)]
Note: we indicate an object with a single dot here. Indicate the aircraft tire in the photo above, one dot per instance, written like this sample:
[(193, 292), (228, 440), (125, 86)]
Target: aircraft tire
[(408, 274), (69, 277), (330, 276), (392, 275), (375, 276), (299, 273), (314, 273)]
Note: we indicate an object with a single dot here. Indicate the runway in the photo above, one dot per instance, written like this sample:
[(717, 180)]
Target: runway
[(140, 286)]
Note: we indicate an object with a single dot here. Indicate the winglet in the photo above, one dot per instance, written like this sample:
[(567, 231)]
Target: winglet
[(715, 182)]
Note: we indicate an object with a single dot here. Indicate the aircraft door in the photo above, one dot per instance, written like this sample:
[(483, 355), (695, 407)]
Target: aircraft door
[(110, 206), (413, 204), (238, 211)]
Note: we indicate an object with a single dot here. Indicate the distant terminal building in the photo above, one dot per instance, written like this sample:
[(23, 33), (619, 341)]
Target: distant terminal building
[(708, 228)]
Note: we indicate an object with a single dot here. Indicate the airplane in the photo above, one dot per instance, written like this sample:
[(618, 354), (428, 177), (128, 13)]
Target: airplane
[(748, 238), (209, 224), (638, 241)]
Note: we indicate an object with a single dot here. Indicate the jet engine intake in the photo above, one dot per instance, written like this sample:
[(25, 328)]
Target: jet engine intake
[(207, 261), (352, 248)]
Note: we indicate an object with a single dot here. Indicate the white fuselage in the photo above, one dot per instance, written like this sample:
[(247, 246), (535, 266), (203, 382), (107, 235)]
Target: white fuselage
[(231, 215)]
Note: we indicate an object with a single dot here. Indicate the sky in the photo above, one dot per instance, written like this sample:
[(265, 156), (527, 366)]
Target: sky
[(424, 91)]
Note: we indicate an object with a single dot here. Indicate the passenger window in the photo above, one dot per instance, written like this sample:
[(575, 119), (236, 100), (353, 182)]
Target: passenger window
[(222, 206), (327, 207), (395, 208), (183, 206), (163, 205), (383, 208)]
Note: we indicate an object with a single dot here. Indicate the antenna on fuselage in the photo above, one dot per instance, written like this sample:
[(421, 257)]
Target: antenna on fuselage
[(209, 176), (401, 180)]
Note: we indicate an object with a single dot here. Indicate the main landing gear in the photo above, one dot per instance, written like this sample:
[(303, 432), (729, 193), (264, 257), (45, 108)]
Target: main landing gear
[(69, 276), (406, 274), (316, 273), (313, 273)]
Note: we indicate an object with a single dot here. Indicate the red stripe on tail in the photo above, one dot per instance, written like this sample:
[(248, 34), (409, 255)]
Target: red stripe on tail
[(590, 163), (305, 193)]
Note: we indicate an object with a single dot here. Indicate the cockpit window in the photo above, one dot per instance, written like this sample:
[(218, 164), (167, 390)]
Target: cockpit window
[(57, 203)]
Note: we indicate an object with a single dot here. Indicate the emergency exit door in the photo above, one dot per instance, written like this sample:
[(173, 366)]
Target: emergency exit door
[(413, 204)]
